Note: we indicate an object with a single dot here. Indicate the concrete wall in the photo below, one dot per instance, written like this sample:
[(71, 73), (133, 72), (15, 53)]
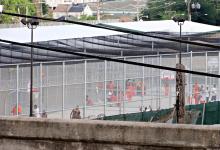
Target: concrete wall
[(48, 134)]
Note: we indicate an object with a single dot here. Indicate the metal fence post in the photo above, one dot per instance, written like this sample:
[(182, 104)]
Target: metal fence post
[(85, 88), (152, 46), (17, 88), (41, 85), (190, 80), (151, 84), (218, 73), (206, 69), (105, 78), (124, 78), (187, 45), (121, 53), (159, 82), (47, 80), (177, 58), (142, 85), (63, 88)]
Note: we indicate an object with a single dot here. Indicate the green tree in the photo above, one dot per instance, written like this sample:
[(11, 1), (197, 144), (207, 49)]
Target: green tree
[(163, 9), (85, 17), (45, 8), (16, 6), (209, 12)]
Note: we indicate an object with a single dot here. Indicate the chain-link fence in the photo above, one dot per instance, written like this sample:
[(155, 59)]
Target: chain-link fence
[(105, 88)]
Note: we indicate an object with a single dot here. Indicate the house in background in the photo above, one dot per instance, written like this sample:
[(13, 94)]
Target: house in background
[(54, 3), (76, 10), (124, 10), (72, 10)]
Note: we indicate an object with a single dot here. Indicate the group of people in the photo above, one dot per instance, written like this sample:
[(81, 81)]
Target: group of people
[(133, 88), (17, 110), (144, 108), (202, 94)]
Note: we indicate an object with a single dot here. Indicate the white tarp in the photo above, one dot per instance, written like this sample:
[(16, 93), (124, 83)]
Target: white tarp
[(49, 33)]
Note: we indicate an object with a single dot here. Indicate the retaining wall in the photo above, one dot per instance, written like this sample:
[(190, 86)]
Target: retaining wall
[(51, 134)]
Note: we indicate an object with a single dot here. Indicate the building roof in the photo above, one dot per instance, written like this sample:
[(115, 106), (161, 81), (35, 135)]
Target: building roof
[(77, 7), (48, 33), (79, 38), (62, 8), (119, 6), (169, 26)]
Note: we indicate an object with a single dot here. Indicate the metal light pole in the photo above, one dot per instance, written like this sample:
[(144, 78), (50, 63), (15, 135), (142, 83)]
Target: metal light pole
[(180, 52), (31, 24), (180, 22), (191, 7), (180, 80)]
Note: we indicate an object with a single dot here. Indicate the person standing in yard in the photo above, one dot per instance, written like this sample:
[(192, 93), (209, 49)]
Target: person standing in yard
[(213, 93), (207, 93), (36, 111)]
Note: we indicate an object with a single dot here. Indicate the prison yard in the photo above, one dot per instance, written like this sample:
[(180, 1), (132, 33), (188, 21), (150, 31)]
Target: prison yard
[(61, 84), (102, 87)]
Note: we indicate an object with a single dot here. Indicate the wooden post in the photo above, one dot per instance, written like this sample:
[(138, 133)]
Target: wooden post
[(180, 94)]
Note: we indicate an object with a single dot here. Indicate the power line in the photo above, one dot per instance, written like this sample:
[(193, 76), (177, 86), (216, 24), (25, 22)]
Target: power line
[(111, 59), (114, 28)]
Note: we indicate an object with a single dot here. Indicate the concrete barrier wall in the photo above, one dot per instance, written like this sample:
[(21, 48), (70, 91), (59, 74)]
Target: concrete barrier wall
[(42, 134)]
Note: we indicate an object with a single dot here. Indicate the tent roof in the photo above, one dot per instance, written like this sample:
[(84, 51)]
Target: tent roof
[(170, 26), (77, 38), (48, 33)]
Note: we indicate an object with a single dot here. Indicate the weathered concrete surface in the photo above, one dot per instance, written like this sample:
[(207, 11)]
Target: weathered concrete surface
[(42, 134)]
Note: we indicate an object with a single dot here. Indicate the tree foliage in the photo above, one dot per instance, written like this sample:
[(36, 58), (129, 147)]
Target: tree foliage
[(45, 8), (16, 6), (85, 17), (209, 12)]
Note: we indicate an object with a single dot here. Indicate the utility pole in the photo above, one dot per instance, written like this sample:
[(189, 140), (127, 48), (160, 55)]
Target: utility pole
[(137, 10), (188, 2), (137, 6), (98, 10)]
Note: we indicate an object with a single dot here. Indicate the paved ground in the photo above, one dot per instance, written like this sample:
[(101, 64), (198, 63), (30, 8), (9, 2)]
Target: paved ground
[(114, 109)]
